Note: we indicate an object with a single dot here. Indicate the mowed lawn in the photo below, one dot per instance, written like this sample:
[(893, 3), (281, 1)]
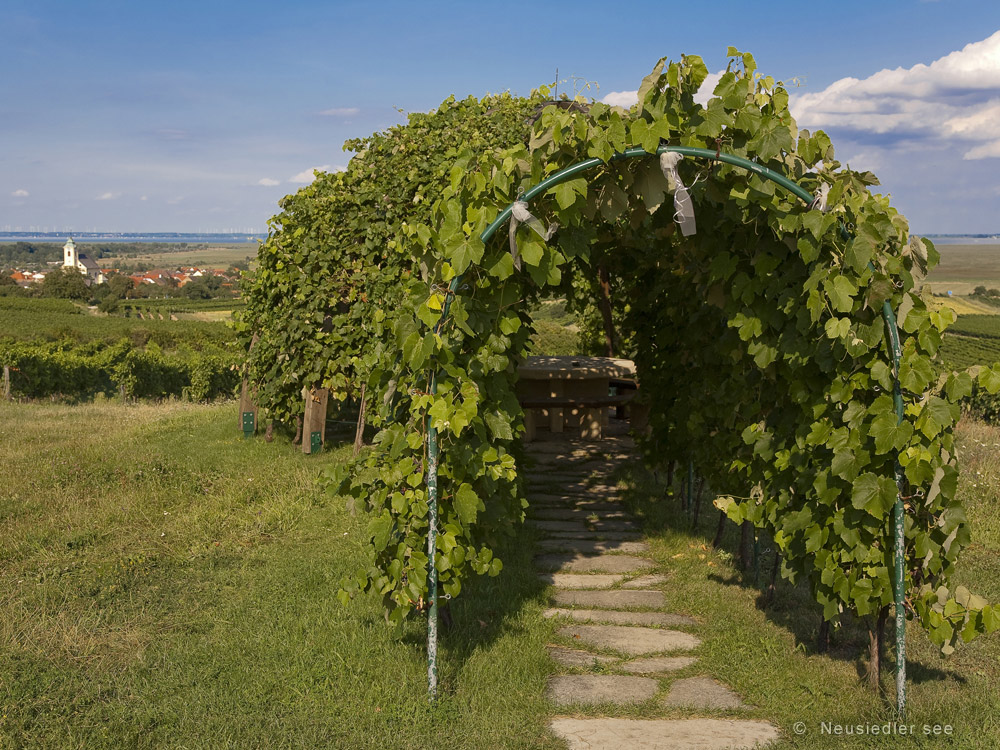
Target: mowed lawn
[(164, 583)]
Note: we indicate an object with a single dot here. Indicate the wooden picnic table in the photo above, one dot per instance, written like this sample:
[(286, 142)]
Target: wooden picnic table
[(570, 392)]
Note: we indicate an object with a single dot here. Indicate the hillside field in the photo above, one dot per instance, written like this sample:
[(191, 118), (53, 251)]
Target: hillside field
[(964, 267), (165, 583), (218, 256)]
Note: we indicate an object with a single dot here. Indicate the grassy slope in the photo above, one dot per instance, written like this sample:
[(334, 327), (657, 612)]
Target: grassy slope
[(164, 583)]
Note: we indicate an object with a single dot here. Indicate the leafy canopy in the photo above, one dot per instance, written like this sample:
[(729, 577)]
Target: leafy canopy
[(759, 341)]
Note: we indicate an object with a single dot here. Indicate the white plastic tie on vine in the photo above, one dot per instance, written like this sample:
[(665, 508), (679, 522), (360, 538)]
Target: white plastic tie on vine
[(683, 207), (819, 202), (519, 214)]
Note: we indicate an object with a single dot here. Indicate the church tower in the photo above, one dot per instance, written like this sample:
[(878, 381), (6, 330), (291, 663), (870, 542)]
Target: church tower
[(69, 254)]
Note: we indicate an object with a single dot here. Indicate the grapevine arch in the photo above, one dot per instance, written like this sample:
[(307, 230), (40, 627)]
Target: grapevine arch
[(782, 383), (889, 316)]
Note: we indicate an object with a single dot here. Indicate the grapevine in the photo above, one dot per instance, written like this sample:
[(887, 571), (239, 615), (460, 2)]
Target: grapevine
[(759, 341)]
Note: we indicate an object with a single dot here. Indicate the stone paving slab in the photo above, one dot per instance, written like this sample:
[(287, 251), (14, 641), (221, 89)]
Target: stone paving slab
[(701, 693), (568, 689), (589, 468), (571, 657), (631, 640), (654, 579), (609, 536), (610, 599), (589, 547), (577, 526), (661, 734), (570, 563), (572, 488), (615, 617), (570, 513), (613, 524), (564, 448), (657, 664), (581, 581), (573, 501), (570, 477), (586, 465)]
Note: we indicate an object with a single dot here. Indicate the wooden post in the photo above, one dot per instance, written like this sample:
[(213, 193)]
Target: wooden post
[(6, 382), (529, 425), (248, 411), (314, 421), (359, 435)]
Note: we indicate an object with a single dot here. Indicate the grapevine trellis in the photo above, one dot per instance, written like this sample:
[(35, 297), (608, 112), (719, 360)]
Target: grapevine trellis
[(765, 342)]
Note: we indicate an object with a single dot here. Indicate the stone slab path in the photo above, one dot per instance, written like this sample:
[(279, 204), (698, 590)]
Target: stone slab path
[(617, 599), (648, 734), (615, 617), (592, 547), (618, 642)]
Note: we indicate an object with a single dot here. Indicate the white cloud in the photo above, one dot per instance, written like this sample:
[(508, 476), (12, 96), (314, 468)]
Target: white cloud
[(628, 98), (621, 98), (268, 182), (20, 193), (954, 98), (341, 112), (143, 198), (107, 196), (707, 87), (308, 175)]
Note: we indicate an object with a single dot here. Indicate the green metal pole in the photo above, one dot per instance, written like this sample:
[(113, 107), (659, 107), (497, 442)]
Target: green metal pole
[(899, 535), (632, 153), (432, 615)]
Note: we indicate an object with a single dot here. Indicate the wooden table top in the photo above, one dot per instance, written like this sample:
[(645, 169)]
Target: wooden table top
[(575, 368)]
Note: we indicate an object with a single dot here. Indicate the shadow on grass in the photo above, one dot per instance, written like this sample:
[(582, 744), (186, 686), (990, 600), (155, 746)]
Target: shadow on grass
[(790, 606), (488, 609)]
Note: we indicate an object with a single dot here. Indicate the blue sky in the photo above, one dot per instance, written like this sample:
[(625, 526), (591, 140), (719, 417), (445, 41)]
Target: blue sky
[(199, 116)]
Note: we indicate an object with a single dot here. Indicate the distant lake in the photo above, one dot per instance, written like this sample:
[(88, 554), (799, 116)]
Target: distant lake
[(195, 239), (237, 238), (963, 239)]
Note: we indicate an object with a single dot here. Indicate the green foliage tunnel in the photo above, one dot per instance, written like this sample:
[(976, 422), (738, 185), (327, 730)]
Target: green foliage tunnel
[(759, 340)]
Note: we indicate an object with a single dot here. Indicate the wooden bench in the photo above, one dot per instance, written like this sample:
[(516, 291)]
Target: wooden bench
[(592, 422)]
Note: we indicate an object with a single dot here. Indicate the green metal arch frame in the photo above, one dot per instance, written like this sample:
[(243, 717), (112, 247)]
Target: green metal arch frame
[(887, 313)]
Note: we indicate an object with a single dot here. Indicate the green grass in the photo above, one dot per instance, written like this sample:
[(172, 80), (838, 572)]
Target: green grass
[(554, 339), (556, 331), (164, 583)]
